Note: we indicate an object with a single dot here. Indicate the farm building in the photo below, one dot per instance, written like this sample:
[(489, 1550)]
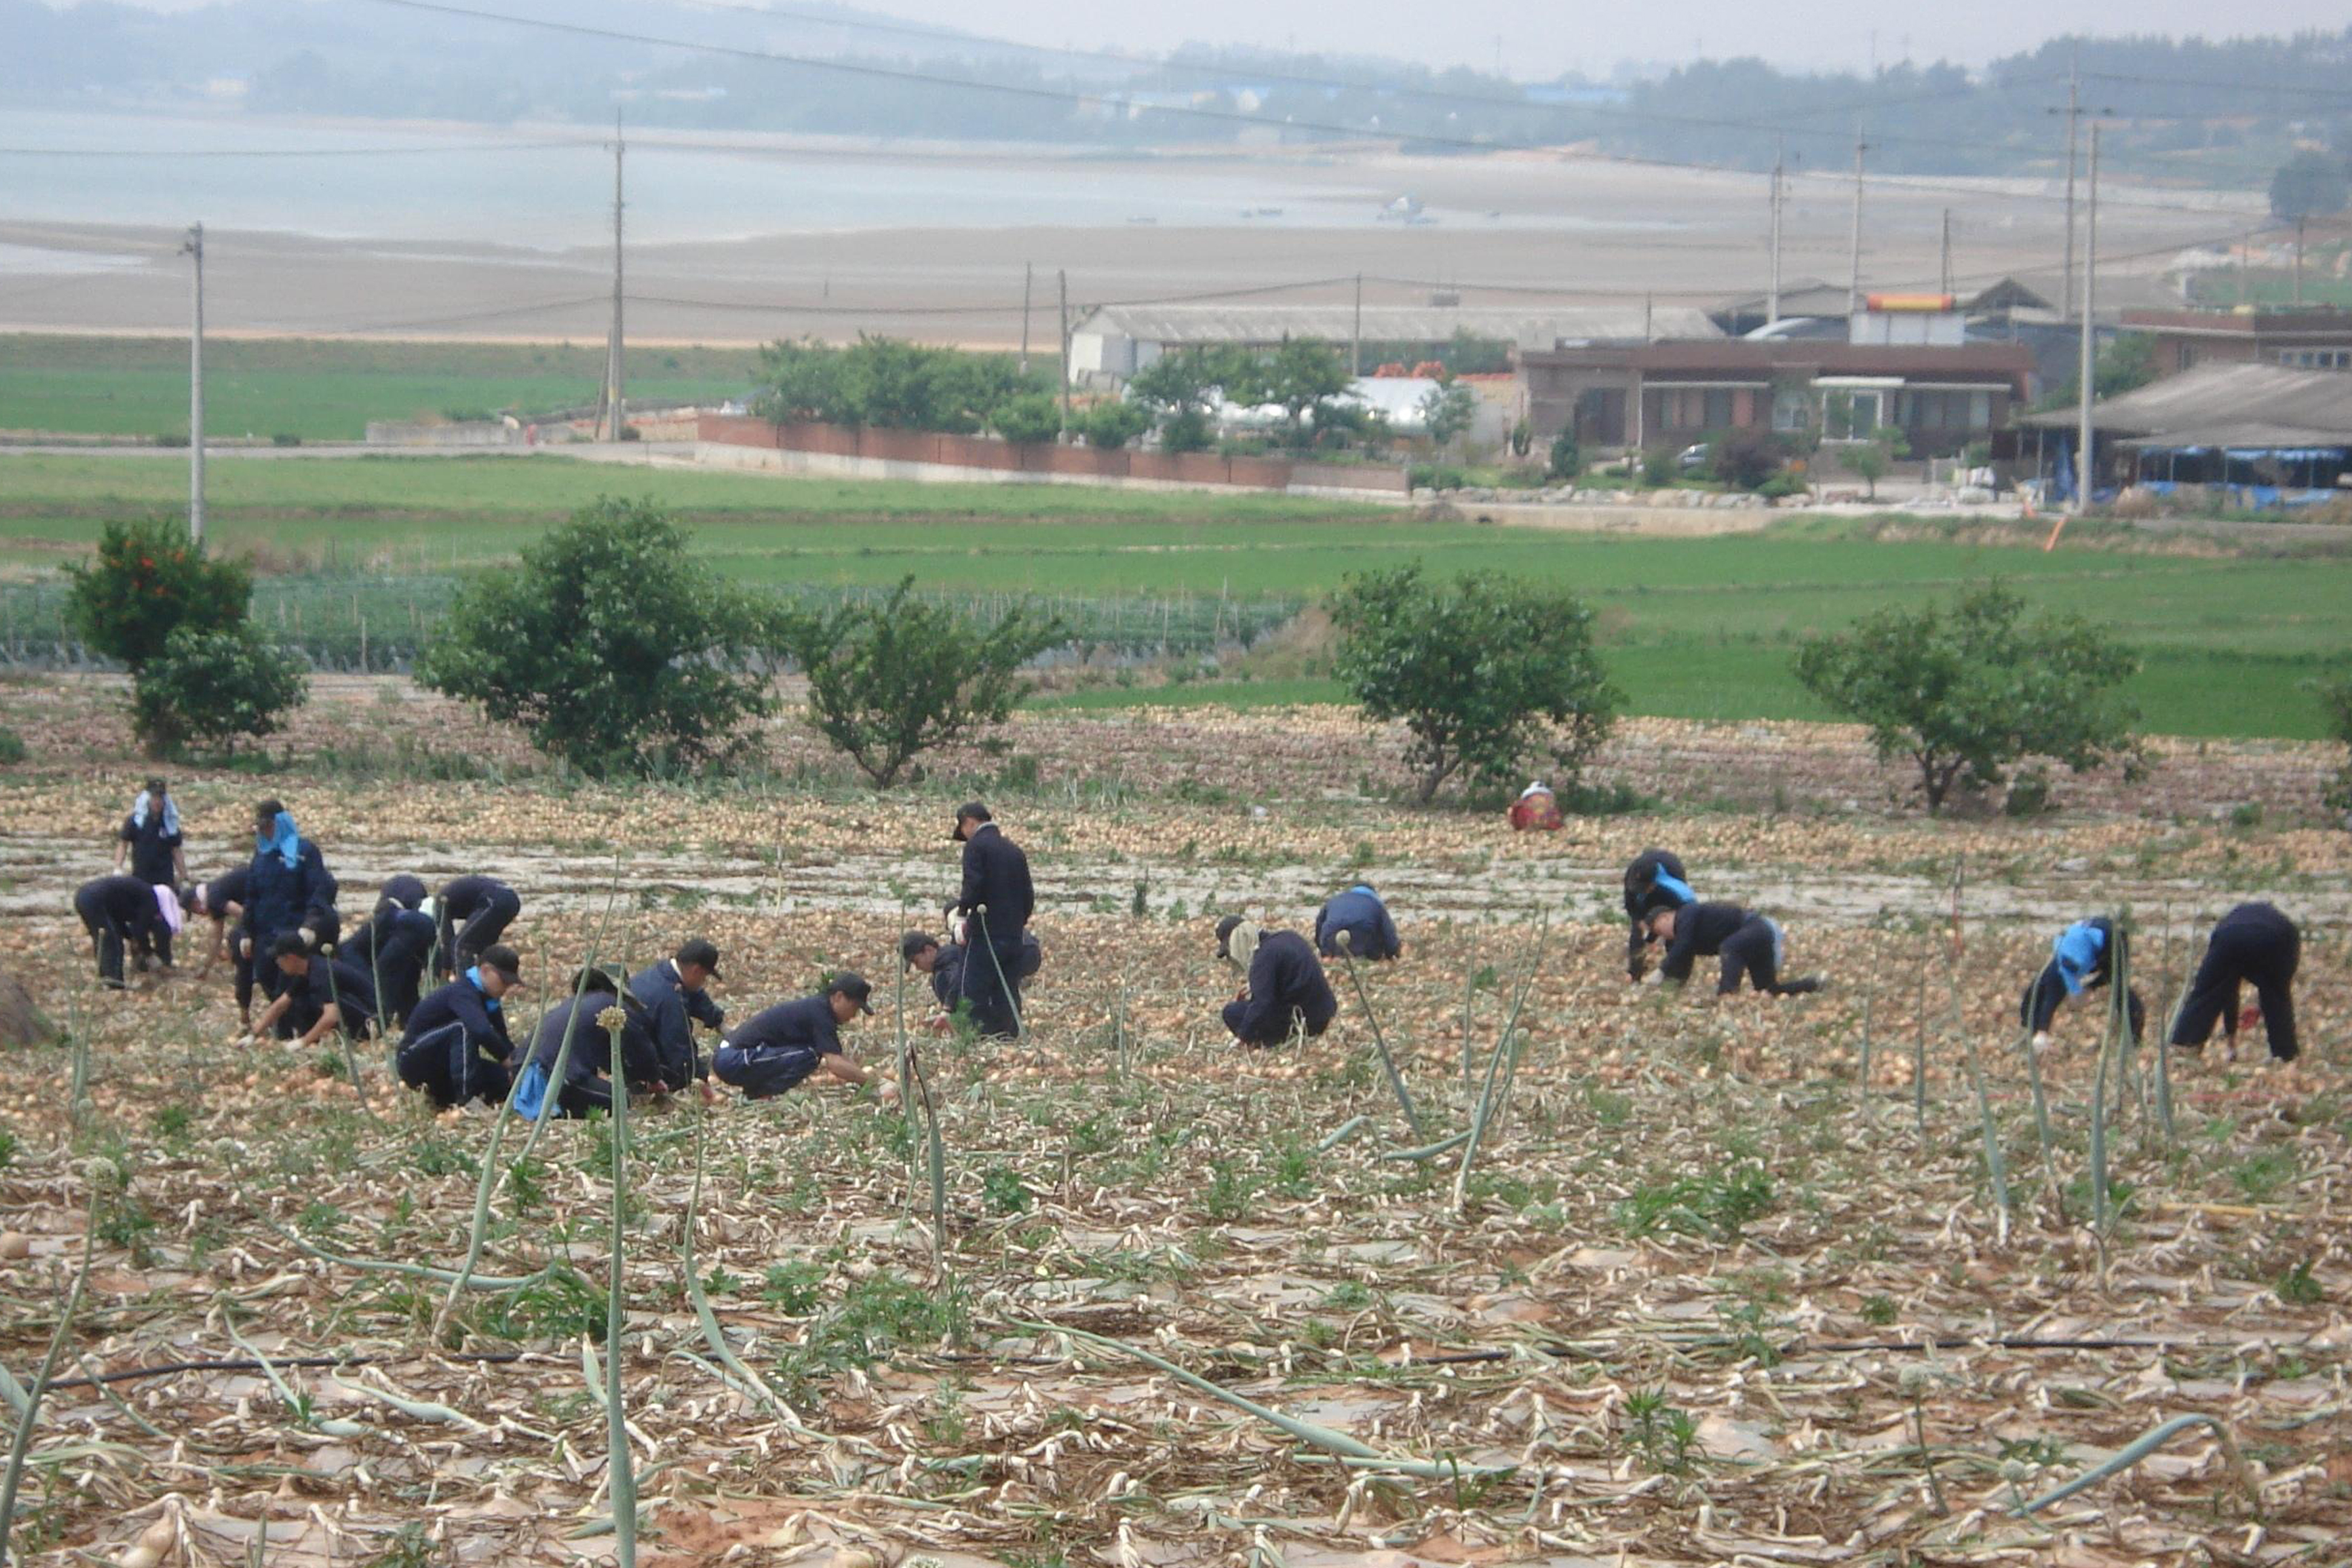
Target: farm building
[(2279, 436), (1115, 342)]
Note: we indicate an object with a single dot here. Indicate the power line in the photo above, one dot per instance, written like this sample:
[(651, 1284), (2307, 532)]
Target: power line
[(146, 153), (2268, 89)]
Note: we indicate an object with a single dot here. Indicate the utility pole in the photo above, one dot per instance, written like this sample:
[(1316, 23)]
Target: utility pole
[(1356, 338), (2090, 336), (1062, 279), (1028, 273), (1772, 290), (2299, 224), (1948, 252), (193, 248), (615, 404), (2074, 121), (1853, 288)]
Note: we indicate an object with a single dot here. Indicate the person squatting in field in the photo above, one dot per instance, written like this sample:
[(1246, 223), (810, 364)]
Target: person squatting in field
[(288, 888), (2256, 944), (996, 899), (2082, 958), (1654, 881), (316, 995), (597, 1051), (772, 1051), (394, 945), (946, 962), (1359, 913), (456, 1048), (676, 995), (1750, 945), (1286, 993), (125, 916), (473, 913)]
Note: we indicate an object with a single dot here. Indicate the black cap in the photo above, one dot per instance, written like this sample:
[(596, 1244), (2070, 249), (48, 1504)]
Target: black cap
[(700, 952), (592, 980), (1224, 931), (155, 786), (503, 959), (290, 944), (403, 892), (970, 811), (853, 987), (913, 942), (267, 811)]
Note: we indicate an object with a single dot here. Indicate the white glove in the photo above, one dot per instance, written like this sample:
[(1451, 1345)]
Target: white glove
[(309, 938), (2041, 1041), (245, 947)]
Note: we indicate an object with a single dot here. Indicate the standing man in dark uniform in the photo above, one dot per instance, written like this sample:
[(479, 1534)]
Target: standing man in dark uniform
[(288, 889), (997, 900), (675, 996), (149, 839), (474, 912)]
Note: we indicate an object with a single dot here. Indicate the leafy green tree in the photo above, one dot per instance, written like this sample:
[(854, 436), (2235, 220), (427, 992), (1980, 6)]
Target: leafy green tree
[(1031, 417), (1745, 458), (1187, 431), (886, 382), (1301, 376), (1483, 672), (802, 382), (1447, 410), (2336, 694), (1112, 423), (214, 687), (889, 680), (1190, 381), (146, 582), (1868, 460), (2309, 185), (2126, 362), (616, 649), (1968, 689), (1567, 459)]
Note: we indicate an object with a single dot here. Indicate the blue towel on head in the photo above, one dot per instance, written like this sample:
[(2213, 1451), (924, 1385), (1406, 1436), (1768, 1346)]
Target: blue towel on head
[(1675, 887), (146, 803), (2076, 954), (282, 838)]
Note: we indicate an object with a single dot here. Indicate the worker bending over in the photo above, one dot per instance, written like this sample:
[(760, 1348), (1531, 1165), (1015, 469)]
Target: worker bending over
[(316, 994), (675, 996), (221, 901), (1654, 881), (588, 1069), (473, 913), (124, 915), (394, 946), (1359, 913), (1750, 945), (2082, 958), (2254, 943), (771, 1051), (1287, 992), (456, 1048)]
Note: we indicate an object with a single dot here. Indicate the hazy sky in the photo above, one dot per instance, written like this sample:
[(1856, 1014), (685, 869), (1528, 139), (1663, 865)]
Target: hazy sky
[(1540, 39)]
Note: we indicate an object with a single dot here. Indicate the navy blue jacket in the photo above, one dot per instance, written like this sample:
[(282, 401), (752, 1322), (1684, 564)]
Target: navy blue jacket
[(125, 902), (150, 848), (466, 897), (807, 1023), (996, 874), (671, 1012), (464, 1004), (282, 897), (331, 980), (1359, 912), (1700, 931), (1644, 897), (1284, 977), (592, 1046), (234, 887)]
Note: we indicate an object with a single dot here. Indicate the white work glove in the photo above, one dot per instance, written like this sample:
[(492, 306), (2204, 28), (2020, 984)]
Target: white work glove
[(2042, 1039), (309, 938), (245, 947)]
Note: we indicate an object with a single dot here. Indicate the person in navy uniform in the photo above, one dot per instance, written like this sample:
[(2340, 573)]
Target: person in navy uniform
[(221, 901), (2256, 944), (1287, 992), (676, 995), (1359, 912), (996, 899), (1750, 945), (940, 963), (771, 1051), (457, 1047), (394, 945), (1654, 881), (149, 839), (2082, 959), (124, 917), (288, 888), (595, 1055), (474, 912), (320, 994)]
